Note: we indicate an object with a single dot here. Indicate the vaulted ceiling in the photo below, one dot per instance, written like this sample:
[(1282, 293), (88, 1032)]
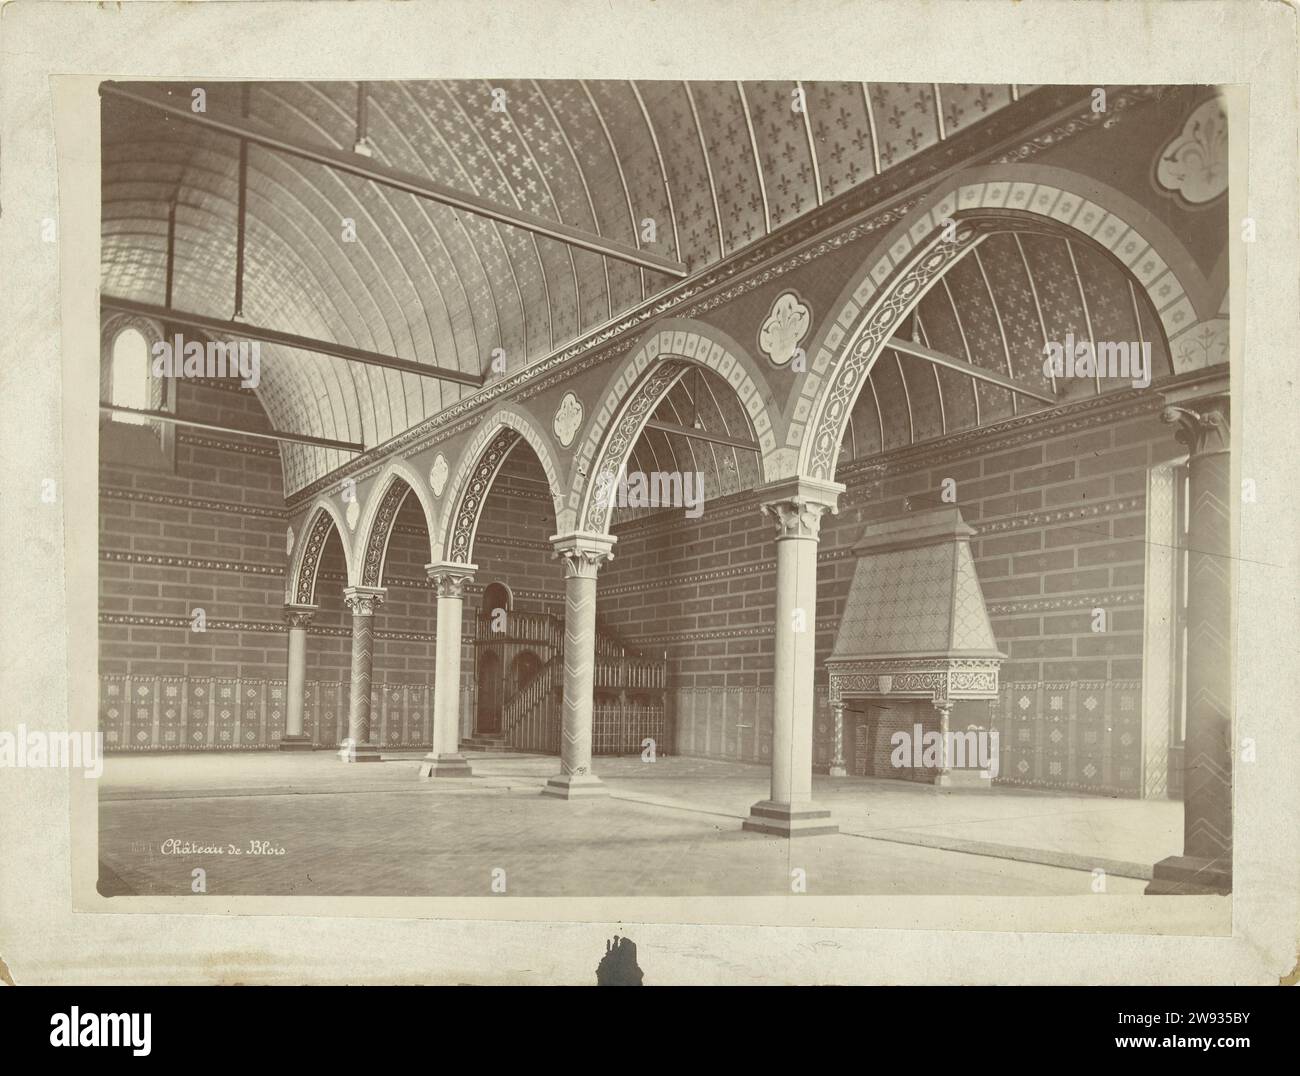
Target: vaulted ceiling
[(996, 308), (715, 166)]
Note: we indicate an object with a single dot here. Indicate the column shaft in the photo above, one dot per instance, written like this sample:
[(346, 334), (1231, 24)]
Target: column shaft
[(362, 601), (444, 758), (583, 554), (797, 507), (298, 617), (1206, 863)]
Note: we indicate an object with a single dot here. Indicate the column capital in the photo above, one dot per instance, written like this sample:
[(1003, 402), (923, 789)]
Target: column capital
[(1201, 415), (583, 552), (299, 616), (798, 504), (1203, 427), (449, 577), (363, 601)]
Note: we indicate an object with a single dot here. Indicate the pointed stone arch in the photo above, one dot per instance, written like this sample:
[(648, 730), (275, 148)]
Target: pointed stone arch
[(666, 352), (323, 516), (917, 253), (398, 481), (478, 468)]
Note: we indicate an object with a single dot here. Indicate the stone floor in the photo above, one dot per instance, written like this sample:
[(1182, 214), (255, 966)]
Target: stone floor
[(669, 828)]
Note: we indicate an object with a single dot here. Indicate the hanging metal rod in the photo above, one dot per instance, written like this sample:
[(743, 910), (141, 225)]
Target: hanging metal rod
[(273, 435), (420, 186), (244, 331), (969, 369), (701, 435)]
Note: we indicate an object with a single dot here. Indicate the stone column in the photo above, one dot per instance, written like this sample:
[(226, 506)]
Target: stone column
[(797, 507), (583, 555), (362, 603), (444, 758), (297, 617), (838, 768), (1202, 424)]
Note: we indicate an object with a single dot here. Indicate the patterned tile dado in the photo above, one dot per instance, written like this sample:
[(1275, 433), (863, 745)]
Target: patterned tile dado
[(122, 556), (813, 234), (205, 713), (120, 493)]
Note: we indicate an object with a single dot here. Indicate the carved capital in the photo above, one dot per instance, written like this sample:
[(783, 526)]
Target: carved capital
[(583, 553), (1203, 426), (363, 601), (299, 616), (797, 506), (449, 577)]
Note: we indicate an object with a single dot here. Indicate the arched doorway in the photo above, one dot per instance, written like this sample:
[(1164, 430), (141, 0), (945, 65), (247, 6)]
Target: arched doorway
[(496, 599), (488, 713)]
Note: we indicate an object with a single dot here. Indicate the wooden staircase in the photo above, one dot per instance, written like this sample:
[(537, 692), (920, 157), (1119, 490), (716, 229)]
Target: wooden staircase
[(630, 696)]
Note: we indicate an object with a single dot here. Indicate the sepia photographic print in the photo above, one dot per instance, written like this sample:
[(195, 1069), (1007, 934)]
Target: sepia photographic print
[(787, 495)]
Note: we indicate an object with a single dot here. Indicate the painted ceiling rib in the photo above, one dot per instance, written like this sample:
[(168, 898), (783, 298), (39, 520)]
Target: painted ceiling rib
[(362, 211), (663, 168), (573, 265), (938, 382), (1137, 315), (690, 444), (880, 415), (244, 331), (1002, 332), (722, 420), (708, 168), (1087, 317), (758, 163), (469, 239), (622, 178), (971, 370), (401, 222), (306, 240), (702, 435), (477, 366), (586, 190), (364, 168), (812, 146), (965, 345), (938, 112), (875, 148), (1038, 306), (537, 250), (907, 398)]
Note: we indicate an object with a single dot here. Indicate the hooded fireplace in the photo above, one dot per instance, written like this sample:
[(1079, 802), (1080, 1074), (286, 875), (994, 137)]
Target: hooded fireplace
[(915, 631)]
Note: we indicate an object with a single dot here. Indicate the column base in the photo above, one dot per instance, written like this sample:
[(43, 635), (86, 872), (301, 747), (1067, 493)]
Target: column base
[(789, 820), (365, 752), (837, 771), (965, 779), (1183, 875), (445, 766), (572, 787), (296, 743)]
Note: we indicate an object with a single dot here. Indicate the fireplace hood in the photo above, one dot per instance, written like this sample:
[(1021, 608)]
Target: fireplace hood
[(915, 622)]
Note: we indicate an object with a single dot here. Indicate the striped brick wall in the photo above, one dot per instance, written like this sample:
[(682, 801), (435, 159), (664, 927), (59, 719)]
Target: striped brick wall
[(1059, 510), (206, 529)]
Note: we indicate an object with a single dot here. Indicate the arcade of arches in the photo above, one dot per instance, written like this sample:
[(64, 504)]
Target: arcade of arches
[(907, 520)]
